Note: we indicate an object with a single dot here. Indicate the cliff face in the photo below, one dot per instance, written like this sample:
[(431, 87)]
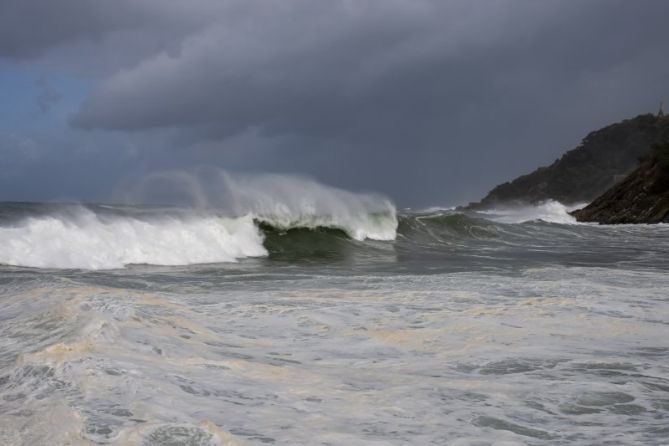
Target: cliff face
[(588, 170), (642, 197)]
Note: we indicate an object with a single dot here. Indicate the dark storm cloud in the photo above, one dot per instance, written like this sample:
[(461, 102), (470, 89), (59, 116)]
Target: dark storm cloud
[(90, 32), (359, 68), (360, 92), (325, 68), (29, 27)]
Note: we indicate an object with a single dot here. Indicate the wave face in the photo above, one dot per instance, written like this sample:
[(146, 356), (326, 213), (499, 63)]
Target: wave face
[(248, 214), (281, 201), (338, 226), (284, 202)]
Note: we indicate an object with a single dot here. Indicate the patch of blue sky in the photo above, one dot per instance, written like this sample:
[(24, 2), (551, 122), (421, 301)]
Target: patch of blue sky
[(22, 84)]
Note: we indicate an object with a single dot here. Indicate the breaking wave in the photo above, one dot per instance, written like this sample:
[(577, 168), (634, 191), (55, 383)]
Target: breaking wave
[(549, 211), (274, 216), (90, 241), (107, 237)]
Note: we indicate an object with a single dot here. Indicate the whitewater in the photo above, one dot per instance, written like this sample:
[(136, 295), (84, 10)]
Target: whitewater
[(107, 237), (275, 310)]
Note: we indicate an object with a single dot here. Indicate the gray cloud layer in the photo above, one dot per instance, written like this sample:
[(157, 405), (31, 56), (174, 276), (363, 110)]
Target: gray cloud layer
[(448, 96)]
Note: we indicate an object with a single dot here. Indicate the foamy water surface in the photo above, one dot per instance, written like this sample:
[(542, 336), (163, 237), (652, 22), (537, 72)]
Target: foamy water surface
[(462, 331)]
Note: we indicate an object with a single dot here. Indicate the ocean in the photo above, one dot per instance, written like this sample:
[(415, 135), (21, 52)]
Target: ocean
[(330, 321)]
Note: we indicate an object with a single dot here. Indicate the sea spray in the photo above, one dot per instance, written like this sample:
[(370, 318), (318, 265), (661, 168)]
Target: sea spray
[(290, 202), (549, 211), (217, 219), (282, 201)]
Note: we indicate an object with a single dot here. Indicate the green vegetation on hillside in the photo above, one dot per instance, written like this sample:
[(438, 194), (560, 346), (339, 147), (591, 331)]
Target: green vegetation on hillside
[(603, 158)]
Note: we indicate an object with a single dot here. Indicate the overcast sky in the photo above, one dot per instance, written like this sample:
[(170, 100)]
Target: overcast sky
[(431, 102)]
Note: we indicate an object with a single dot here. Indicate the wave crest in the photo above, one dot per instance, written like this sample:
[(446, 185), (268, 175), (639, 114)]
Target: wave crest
[(222, 224), (90, 241), (549, 211), (285, 202)]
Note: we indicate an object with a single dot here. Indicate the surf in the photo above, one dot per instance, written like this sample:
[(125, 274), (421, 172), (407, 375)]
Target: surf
[(227, 223)]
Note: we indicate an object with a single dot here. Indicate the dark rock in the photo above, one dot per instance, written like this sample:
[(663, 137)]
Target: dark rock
[(642, 197), (582, 174)]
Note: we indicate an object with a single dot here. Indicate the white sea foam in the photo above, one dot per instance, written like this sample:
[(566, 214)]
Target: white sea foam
[(549, 211), (116, 237), (284, 201), (434, 209), (289, 202), (459, 358), (86, 240)]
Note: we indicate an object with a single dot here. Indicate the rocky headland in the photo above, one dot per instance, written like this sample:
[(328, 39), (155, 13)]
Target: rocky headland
[(603, 158), (642, 197)]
